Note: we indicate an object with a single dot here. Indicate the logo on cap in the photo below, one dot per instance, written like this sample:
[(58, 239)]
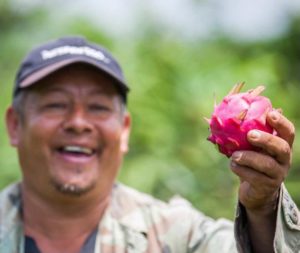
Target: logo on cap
[(72, 50)]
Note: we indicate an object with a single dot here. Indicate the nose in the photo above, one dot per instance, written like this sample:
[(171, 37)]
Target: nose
[(77, 122)]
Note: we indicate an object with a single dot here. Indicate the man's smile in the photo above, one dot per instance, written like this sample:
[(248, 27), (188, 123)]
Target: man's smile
[(78, 150), (76, 153)]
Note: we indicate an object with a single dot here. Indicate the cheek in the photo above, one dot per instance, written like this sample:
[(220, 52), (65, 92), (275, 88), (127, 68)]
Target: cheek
[(111, 132), (36, 134)]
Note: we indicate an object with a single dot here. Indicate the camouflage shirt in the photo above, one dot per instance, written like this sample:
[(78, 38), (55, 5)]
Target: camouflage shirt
[(135, 223)]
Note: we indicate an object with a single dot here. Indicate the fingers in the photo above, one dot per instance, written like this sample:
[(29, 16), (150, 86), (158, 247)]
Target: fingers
[(275, 146), (284, 128), (274, 158), (259, 182), (250, 165), (262, 172), (249, 175), (278, 146)]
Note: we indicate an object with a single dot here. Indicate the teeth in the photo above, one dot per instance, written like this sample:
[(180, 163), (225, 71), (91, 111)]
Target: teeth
[(78, 149)]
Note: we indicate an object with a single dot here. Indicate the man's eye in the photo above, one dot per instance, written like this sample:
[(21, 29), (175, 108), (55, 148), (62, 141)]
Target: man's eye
[(55, 106), (98, 107)]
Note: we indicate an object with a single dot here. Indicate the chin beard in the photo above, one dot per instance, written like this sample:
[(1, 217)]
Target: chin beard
[(72, 189)]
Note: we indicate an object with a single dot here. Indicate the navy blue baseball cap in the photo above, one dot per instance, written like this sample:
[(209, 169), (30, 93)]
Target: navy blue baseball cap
[(54, 55)]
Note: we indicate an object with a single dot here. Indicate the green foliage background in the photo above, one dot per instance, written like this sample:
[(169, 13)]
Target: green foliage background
[(173, 86)]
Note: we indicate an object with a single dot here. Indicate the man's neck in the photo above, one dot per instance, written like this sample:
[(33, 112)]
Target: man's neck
[(61, 227)]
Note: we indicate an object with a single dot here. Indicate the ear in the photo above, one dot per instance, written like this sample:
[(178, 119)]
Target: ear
[(125, 133), (12, 126)]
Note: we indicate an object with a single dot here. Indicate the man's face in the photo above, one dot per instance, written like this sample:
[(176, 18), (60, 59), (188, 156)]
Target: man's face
[(74, 132)]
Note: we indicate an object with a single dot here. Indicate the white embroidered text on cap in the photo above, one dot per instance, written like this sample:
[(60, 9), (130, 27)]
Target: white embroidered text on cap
[(88, 51)]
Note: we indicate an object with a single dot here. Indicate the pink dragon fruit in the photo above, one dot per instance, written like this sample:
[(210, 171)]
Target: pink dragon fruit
[(235, 116)]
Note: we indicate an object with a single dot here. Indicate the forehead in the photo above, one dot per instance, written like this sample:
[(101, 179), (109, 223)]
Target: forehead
[(77, 76)]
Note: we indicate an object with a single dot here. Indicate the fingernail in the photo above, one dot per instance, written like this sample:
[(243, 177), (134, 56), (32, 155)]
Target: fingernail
[(254, 134), (236, 156), (274, 115)]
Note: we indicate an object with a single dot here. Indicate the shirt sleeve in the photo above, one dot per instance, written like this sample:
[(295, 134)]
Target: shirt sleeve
[(202, 233), (211, 236), (287, 234)]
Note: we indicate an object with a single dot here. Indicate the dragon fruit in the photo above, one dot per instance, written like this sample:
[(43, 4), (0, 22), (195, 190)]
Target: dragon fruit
[(235, 116)]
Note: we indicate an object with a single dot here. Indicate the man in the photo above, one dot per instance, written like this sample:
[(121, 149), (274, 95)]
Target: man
[(69, 124)]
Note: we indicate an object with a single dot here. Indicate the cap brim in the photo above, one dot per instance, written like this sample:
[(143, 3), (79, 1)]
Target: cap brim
[(40, 74)]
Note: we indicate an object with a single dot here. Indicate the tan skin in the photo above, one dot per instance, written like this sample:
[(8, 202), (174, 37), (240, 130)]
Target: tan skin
[(80, 107), (63, 110), (261, 175)]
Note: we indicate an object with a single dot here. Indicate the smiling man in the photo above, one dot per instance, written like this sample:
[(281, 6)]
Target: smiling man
[(69, 124), (73, 133)]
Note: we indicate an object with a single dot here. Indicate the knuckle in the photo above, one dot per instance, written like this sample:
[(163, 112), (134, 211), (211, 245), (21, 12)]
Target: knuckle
[(286, 150), (292, 129), (270, 163), (285, 172)]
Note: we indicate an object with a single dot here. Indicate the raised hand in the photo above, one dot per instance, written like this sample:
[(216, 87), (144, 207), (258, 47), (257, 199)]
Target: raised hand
[(261, 176), (262, 173)]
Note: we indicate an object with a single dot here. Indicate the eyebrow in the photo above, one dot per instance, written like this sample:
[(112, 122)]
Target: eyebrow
[(51, 89)]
